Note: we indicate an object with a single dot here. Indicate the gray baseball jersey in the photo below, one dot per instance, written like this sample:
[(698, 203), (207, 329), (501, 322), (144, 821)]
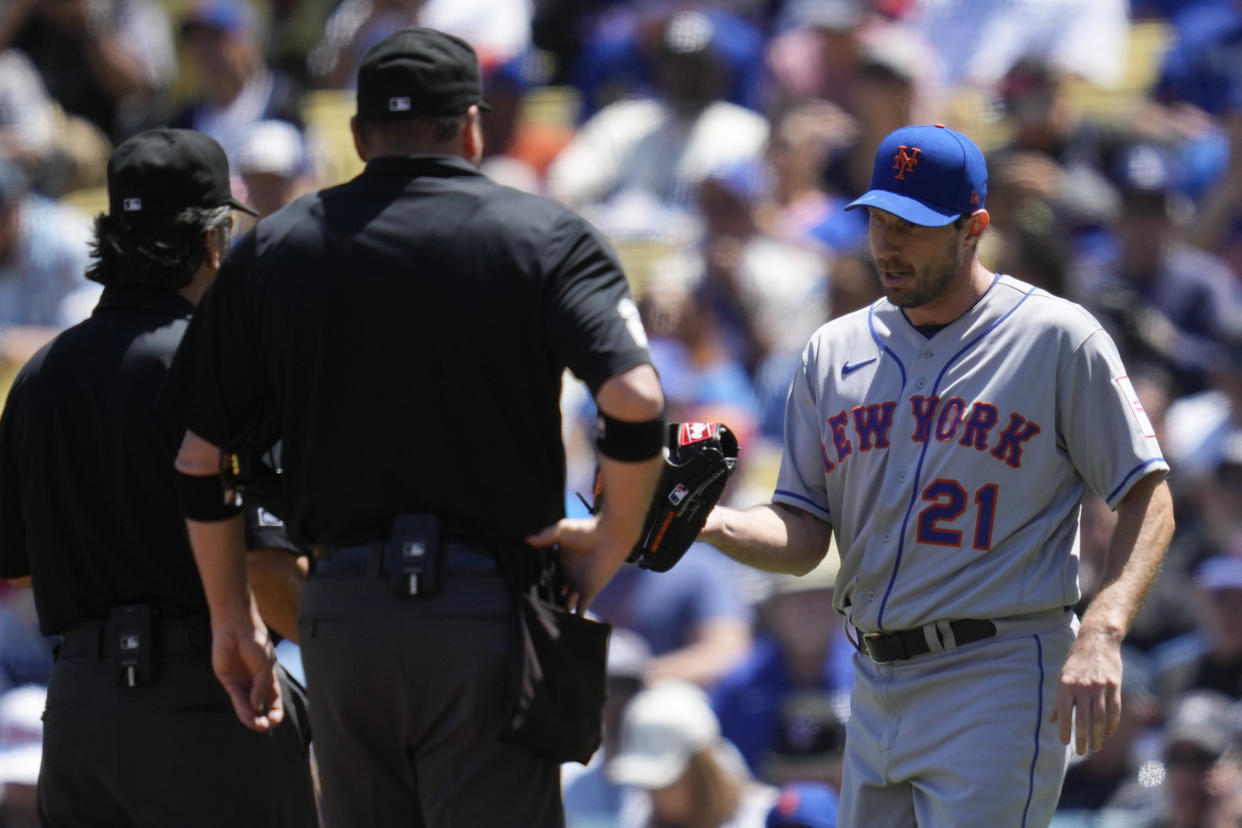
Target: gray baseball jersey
[(952, 468)]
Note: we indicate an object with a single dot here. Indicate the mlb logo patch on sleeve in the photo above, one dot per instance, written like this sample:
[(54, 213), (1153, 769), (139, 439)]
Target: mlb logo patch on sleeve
[(1136, 407)]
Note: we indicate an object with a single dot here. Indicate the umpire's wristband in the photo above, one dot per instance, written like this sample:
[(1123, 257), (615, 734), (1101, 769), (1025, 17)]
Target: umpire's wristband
[(629, 442), (203, 497)]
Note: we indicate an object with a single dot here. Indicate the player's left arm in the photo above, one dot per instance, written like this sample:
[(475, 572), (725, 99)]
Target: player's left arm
[(1088, 701)]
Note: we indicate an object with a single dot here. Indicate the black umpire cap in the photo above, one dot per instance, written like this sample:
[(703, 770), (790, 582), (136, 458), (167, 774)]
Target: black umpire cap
[(160, 172), (418, 71)]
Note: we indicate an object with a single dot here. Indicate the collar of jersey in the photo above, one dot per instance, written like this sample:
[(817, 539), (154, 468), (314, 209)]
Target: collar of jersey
[(442, 166), (146, 298)]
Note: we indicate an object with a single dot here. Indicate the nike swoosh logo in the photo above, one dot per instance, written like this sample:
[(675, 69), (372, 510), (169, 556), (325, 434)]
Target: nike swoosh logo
[(848, 369)]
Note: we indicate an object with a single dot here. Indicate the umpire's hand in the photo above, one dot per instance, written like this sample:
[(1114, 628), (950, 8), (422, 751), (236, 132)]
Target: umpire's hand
[(588, 556), (244, 662)]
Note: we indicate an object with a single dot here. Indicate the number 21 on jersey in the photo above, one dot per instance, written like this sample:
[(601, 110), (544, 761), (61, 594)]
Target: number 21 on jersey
[(948, 502)]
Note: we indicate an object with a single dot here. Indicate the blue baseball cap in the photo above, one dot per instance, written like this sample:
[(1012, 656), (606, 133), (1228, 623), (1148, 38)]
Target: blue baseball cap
[(805, 805), (927, 175)]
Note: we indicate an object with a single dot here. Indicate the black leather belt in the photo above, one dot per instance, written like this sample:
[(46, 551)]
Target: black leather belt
[(905, 644), (173, 636), (368, 559)]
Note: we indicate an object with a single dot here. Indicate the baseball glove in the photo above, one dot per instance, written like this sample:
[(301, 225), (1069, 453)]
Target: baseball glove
[(698, 459)]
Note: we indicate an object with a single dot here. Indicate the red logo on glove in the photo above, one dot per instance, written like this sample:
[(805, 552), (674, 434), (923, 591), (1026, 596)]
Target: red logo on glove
[(695, 433)]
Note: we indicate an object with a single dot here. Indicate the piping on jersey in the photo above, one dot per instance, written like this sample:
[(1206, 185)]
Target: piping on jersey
[(805, 500), (1039, 722), (884, 349), (1133, 472), (918, 472)]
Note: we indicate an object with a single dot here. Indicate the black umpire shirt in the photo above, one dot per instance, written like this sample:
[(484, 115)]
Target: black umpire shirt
[(88, 496), (411, 328)]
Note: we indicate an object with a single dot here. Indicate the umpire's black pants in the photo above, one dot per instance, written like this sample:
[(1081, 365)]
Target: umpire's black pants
[(408, 694), (169, 753)]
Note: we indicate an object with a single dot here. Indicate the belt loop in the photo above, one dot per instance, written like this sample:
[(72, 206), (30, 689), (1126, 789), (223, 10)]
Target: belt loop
[(854, 639), (942, 631)]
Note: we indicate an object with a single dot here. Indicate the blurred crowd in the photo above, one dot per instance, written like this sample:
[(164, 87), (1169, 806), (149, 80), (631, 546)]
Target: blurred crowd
[(715, 143)]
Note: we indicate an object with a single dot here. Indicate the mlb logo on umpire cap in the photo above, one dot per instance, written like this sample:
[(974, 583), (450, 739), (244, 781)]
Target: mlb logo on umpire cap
[(161, 172), (419, 71), (927, 175)]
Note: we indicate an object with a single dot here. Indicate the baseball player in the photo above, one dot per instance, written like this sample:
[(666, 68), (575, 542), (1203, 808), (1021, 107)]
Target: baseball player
[(947, 434)]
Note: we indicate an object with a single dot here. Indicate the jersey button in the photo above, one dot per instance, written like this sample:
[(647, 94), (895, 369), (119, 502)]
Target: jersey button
[(901, 477), (920, 382), (887, 535), (928, 354), (871, 595)]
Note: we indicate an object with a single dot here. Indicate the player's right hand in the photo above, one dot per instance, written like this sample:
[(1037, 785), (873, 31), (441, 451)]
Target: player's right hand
[(1087, 708), (245, 665)]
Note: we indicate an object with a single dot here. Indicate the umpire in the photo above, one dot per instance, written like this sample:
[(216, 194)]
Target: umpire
[(137, 731), (411, 328)]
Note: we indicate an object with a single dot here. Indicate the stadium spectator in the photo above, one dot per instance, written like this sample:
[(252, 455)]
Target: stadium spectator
[(1209, 658), (1195, 739), (592, 799), (693, 617), (804, 805), (44, 251), (352, 29), (1217, 225), (109, 62), (224, 42), (616, 61), (885, 93), (274, 165), (1161, 299), (21, 749), (1202, 69), (809, 741), (25, 652), (635, 167), (794, 202), (682, 773), (801, 649), (1203, 427), (979, 40), (27, 116)]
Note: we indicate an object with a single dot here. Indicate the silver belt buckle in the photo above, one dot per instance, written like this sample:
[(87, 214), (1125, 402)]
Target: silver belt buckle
[(866, 637)]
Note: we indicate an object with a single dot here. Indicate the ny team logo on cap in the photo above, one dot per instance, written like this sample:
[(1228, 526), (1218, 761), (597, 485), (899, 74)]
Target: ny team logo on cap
[(905, 160), (132, 205), (928, 175), (399, 105)]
